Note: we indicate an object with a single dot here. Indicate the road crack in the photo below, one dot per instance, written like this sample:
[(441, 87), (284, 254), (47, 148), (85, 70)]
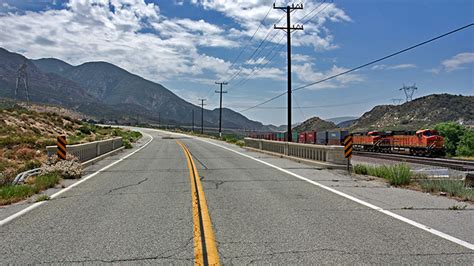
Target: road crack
[(126, 186)]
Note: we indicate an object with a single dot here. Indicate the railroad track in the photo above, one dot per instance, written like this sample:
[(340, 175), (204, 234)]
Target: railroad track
[(461, 165)]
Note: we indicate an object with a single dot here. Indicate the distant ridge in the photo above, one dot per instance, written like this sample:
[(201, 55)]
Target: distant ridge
[(105, 91)]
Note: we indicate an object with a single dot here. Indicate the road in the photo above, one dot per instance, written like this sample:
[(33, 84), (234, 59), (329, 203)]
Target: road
[(184, 200)]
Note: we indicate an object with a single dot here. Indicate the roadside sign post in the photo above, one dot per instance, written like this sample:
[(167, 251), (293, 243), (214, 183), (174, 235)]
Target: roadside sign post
[(348, 151), (61, 144)]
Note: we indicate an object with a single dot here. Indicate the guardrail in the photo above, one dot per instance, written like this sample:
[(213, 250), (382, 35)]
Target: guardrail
[(88, 151), (323, 153)]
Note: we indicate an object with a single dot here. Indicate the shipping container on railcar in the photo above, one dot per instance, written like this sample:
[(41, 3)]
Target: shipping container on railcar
[(337, 137), (311, 137), (302, 137), (322, 137)]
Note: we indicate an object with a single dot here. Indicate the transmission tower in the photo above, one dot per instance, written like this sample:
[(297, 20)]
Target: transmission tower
[(409, 91), (397, 101), (22, 76)]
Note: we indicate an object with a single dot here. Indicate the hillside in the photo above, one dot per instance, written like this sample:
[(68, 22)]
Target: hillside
[(423, 112), (25, 133), (315, 123)]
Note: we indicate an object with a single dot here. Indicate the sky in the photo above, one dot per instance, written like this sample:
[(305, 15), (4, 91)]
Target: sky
[(188, 45)]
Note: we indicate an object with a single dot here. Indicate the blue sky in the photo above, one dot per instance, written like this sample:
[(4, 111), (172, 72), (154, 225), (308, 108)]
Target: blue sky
[(187, 45)]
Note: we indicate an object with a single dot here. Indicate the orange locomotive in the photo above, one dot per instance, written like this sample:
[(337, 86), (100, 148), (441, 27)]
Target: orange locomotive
[(422, 142)]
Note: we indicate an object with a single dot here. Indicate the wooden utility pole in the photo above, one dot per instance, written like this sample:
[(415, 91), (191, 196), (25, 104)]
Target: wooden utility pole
[(220, 106), (289, 29), (202, 115)]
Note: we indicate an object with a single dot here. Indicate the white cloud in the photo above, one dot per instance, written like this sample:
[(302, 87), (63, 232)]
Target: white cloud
[(306, 74), (258, 61), (458, 61), (249, 14), (301, 58), (391, 67), (134, 36)]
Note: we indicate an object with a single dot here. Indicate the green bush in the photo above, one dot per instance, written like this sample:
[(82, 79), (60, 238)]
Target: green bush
[(398, 174), (451, 187), (452, 133), (360, 169), (46, 181), (466, 144), (13, 193)]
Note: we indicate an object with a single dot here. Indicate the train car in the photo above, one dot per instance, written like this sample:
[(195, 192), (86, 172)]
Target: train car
[(424, 142), (369, 141)]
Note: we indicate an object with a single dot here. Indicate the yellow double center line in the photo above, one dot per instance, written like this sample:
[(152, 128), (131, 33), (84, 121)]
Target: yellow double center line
[(205, 248)]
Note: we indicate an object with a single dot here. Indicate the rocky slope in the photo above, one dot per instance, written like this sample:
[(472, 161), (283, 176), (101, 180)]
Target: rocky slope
[(315, 123), (423, 112)]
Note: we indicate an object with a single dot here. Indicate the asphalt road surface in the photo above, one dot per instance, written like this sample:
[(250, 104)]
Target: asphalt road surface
[(183, 200)]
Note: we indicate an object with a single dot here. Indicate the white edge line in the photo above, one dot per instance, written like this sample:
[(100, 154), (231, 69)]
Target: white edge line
[(37, 204), (389, 213)]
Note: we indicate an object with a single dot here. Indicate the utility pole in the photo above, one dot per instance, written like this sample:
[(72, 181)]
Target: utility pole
[(220, 106), (193, 120), (288, 29), (202, 115)]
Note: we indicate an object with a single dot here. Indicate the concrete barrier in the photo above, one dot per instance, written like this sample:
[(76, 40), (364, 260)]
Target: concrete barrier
[(91, 150), (329, 156)]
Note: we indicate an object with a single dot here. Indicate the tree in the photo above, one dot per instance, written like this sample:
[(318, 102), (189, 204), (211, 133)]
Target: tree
[(466, 144), (452, 133)]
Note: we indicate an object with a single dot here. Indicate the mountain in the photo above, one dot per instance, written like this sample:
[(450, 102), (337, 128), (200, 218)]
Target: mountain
[(115, 86), (105, 91), (346, 124), (423, 112), (341, 119), (315, 123), (52, 65), (43, 87)]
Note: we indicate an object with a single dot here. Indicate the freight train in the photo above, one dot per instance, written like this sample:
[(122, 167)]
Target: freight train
[(424, 142)]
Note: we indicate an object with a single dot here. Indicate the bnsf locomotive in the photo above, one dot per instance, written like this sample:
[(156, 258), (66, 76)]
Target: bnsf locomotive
[(422, 142)]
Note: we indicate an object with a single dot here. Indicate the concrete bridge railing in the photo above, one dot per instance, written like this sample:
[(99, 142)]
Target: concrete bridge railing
[(91, 150), (333, 155)]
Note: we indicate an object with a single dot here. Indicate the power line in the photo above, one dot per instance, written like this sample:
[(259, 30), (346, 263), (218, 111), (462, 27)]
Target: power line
[(251, 38), (363, 65), (244, 80), (254, 52)]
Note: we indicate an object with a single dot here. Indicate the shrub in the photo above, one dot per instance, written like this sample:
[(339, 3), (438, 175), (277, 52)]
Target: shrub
[(46, 181), (360, 169), (25, 153), (8, 175), (451, 187), (13, 193), (398, 174), (68, 169), (31, 164), (466, 144)]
